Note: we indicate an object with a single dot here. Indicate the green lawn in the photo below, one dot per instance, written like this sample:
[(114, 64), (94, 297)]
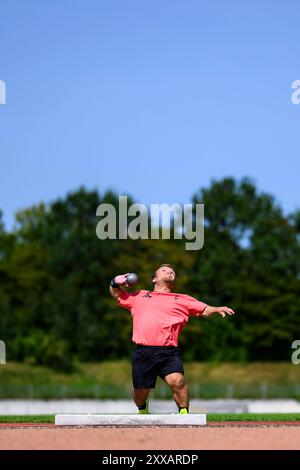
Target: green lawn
[(112, 379), (119, 373), (27, 419), (253, 417), (210, 418)]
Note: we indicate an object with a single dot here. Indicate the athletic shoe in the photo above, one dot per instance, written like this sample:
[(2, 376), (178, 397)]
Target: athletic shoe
[(183, 411), (146, 410)]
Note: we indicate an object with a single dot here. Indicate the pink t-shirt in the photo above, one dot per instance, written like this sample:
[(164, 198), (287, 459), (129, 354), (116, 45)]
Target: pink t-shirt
[(158, 317)]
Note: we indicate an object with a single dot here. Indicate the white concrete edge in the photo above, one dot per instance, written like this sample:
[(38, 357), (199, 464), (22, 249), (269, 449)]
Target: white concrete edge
[(130, 420)]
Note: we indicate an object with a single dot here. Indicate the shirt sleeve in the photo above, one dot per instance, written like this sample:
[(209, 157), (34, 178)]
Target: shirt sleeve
[(194, 306), (126, 299)]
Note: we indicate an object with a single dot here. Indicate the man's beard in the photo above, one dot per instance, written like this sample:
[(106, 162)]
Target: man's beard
[(168, 280)]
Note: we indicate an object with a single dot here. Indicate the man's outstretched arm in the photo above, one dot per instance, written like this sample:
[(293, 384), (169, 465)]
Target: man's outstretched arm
[(223, 311)]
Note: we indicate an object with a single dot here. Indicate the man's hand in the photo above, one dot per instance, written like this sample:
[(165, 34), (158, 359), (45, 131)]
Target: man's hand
[(223, 311), (121, 280)]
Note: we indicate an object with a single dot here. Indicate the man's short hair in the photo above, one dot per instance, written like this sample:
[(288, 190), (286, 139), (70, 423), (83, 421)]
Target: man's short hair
[(161, 266)]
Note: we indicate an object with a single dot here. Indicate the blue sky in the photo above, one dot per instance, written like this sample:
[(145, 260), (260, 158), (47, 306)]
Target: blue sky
[(149, 98)]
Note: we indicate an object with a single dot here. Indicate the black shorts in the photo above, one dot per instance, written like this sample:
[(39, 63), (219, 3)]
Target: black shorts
[(148, 362)]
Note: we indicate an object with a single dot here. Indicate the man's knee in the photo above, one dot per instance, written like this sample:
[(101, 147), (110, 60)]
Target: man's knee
[(177, 383)]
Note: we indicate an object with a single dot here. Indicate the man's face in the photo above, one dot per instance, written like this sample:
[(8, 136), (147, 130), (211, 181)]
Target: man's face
[(165, 274)]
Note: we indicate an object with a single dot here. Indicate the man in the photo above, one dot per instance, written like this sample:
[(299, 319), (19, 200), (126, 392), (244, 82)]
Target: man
[(158, 318)]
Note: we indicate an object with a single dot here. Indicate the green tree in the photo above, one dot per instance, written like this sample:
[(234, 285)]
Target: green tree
[(55, 306)]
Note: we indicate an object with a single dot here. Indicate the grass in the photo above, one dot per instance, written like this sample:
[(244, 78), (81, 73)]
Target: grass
[(119, 373), (112, 379), (28, 419), (253, 417), (280, 417)]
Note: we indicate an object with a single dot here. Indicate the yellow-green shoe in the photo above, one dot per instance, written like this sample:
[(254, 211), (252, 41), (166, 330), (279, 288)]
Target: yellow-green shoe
[(183, 411), (146, 410)]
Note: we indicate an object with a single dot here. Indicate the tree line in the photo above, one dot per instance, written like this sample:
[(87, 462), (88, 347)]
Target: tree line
[(55, 307)]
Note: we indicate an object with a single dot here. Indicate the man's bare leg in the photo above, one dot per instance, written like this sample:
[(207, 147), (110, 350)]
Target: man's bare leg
[(140, 395), (176, 382)]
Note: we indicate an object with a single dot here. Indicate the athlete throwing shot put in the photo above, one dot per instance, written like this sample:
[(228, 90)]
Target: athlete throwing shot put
[(158, 318)]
